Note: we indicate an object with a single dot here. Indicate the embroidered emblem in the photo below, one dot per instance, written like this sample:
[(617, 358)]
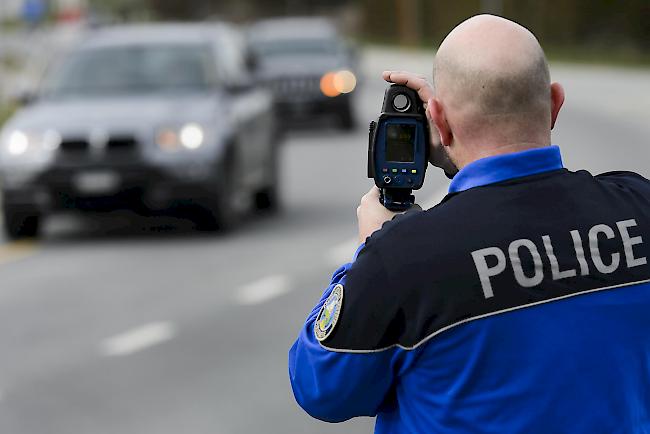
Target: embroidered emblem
[(329, 314)]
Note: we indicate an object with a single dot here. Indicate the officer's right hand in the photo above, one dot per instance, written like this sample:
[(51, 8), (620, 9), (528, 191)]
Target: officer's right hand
[(411, 80), (371, 214)]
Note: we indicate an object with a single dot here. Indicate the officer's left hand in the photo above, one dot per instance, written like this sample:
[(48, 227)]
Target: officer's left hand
[(371, 214)]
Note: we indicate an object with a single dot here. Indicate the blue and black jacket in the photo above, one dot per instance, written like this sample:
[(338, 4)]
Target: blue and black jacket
[(519, 304)]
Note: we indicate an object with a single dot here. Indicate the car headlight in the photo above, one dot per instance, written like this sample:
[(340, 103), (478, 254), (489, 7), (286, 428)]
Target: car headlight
[(20, 142), (17, 143), (337, 82), (190, 136)]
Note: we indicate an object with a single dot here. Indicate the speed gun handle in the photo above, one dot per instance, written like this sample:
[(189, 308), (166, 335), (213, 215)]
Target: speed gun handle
[(396, 200)]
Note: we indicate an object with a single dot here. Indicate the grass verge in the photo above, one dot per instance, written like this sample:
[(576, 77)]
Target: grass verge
[(6, 110)]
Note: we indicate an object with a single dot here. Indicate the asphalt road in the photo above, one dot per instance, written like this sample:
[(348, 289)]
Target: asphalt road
[(116, 324)]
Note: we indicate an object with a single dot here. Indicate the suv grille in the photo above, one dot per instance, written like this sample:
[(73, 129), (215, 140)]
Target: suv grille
[(114, 144), (74, 145), (295, 87), (121, 143)]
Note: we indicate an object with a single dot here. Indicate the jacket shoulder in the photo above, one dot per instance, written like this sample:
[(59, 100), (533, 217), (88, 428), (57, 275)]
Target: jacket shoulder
[(623, 177)]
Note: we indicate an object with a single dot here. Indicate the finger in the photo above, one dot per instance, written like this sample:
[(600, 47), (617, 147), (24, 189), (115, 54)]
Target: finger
[(371, 196), (387, 74), (414, 81)]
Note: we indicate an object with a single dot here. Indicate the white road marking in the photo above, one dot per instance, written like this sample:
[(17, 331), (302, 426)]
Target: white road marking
[(264, 289), (138, 339), (343, 252), (17, 250)]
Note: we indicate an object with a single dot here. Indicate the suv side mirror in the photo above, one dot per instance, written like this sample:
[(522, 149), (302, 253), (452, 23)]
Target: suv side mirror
[(25, 98), (251, 62), (240, 85)]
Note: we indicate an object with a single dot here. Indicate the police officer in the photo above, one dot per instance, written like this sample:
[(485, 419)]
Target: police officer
[(520, 303)]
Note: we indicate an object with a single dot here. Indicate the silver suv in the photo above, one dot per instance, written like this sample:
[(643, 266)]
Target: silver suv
[(309, 67), (146, 116)]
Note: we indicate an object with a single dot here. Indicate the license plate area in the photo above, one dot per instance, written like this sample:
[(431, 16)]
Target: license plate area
[(96, 182)]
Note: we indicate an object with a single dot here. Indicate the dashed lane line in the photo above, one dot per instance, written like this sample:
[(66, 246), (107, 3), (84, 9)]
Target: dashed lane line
[(262, 290), (342, 253), (256, 292), (155, 333), (138, 339)]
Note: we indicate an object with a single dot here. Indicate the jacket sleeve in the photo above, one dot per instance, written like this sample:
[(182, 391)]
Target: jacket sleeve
[(335, 385)]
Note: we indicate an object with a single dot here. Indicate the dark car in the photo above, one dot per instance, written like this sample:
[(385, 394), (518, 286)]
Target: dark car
[(144, 115), (309, 67)]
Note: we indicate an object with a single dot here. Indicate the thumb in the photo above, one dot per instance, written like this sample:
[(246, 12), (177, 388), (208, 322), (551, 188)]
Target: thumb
[(372, 194)]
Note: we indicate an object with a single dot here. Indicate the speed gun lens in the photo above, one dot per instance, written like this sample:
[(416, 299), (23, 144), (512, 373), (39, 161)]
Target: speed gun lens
[(401, 102)]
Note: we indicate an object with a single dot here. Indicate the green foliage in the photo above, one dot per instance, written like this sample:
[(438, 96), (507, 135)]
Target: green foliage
[(135, 10), (174, 10), (10, 62), (616, 28), (6, 110)]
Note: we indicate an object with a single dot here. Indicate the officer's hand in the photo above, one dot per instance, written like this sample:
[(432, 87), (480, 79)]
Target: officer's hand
[(414, 81), (371, 214)]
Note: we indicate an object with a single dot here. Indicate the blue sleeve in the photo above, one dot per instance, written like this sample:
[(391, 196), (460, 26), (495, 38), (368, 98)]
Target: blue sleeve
[(336, 386)]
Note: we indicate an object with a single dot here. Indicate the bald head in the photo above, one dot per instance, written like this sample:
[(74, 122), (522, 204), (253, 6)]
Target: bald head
[(489, 69), (492, 93)]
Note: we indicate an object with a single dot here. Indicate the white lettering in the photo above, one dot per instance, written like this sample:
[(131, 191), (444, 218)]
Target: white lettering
[(597, 240), (629, 243), (580, 253), (555, 266), (485, 272), (595, 249), (522, 279)]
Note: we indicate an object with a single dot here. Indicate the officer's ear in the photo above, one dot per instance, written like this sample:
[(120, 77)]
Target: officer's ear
[(436, 113), (557, 99)]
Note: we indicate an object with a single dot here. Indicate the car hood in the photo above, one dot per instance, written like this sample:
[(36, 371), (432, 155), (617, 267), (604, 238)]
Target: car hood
[(115, 112)]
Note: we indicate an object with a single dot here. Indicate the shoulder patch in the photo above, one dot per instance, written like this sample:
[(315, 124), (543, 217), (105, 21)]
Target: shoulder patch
[(329, 314)]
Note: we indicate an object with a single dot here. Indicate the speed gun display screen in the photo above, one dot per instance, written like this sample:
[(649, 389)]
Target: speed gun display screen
[(400, 143)]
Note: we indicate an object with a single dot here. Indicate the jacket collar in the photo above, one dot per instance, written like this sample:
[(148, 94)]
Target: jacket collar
[(500, 168)]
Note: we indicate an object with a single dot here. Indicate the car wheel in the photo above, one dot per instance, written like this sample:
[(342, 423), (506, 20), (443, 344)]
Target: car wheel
[(20, 223), (219, 212), (268, 198)]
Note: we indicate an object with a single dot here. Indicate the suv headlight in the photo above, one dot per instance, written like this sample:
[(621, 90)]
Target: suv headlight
[(17, 143), (189, 136), (20, 143), (337, 82)]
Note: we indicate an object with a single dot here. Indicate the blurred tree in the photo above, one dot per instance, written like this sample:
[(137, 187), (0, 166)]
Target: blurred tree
[(603, 24), (122, 9), (202, 9), (586, 24)]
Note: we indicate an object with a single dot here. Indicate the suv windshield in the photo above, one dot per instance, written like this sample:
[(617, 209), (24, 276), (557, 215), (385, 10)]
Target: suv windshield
[(133, 69), (298, 47)]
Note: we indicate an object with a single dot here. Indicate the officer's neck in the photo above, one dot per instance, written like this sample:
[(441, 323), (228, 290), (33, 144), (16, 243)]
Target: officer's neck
[(478, 152)]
